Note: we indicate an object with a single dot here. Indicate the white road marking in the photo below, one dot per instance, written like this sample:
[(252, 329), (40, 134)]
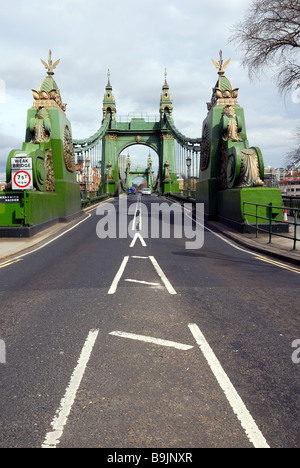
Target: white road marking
[(52, 240), (163, 277), (60, 235), (116, 281), (148, 339), (252, 431), (53, 438), (142, 282), (114, 286), (136, 237), (253, 254), (137, 221)]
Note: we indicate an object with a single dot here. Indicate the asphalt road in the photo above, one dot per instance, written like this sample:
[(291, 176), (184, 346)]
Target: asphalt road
[(140, 343)]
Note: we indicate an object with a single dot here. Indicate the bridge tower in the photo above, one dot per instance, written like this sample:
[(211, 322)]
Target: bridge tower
[(138, 130), (231, 172), (52, 192)]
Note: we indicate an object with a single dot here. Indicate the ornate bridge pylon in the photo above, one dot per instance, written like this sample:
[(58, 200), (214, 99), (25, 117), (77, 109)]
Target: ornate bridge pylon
[(117, 136)]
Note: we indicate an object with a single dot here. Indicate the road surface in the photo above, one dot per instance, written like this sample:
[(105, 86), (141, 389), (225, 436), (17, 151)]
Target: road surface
[(140, 343)]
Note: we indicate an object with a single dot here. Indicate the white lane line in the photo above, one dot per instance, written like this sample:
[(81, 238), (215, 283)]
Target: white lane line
[(252, 431), (148, 339), (62, 234), (142, 282), (137, 221), (163, 277), (116, 281), (51, 241), (53, 438)]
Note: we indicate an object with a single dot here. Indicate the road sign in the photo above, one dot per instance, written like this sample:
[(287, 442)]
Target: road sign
[(21, 173), (20, 163), (22, 180)]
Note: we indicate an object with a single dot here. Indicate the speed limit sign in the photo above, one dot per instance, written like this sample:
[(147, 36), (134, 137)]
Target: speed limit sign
[(22, 180)]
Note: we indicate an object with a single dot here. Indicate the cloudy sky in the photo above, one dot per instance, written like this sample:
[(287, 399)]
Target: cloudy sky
[(136, 40)]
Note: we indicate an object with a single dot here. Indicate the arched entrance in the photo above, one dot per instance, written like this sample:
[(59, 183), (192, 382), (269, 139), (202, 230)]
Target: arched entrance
[(137, 131), (137, 166)]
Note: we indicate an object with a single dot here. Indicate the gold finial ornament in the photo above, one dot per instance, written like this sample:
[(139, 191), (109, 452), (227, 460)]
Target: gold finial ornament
[(48, 94), (221, 65), (50, 66)]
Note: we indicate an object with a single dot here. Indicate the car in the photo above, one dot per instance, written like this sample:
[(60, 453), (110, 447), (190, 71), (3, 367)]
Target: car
[(146, 191), (131, 191)]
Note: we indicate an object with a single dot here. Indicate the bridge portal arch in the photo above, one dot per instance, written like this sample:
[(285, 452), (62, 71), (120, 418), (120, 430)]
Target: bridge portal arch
[(140, 161), (137, 131), (116, 134)]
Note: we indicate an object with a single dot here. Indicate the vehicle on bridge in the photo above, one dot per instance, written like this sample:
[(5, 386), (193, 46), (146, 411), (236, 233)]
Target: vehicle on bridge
[(146, 191), (131, 191)]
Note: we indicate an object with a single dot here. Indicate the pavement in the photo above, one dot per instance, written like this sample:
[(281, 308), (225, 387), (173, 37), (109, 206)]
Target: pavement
[(281, 248), (10, 247)]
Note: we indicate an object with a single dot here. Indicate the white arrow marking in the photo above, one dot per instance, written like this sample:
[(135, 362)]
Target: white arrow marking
[(138, 236)]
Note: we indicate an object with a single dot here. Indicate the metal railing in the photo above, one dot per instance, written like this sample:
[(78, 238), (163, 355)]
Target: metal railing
[(137, 115), (290, 203), (92, 199), (272, 212)]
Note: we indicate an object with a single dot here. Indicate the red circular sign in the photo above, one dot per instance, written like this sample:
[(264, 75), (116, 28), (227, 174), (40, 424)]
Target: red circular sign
[(22, 179)]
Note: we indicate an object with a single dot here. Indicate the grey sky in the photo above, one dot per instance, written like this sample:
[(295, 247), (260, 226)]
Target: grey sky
[(136, 40)]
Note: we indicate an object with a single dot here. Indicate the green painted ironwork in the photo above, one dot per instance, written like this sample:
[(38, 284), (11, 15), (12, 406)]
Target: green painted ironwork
[(48, 144), (271, 221), (225, 170), (115, 137)]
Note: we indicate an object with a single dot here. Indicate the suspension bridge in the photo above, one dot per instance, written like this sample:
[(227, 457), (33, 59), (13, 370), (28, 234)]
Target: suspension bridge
[(117, 332), (226, 171)]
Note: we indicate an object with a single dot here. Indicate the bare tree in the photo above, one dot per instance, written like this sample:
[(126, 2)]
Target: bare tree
[(293, 157), (269, 35)]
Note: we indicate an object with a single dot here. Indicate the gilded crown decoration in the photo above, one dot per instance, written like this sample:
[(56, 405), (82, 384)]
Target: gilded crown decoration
[(223, 93), (48, 94)]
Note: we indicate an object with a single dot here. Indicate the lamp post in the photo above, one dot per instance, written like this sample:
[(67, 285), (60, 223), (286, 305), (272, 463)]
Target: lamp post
[(107, 173), (170, 178), (189, 163), (87, 165)]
